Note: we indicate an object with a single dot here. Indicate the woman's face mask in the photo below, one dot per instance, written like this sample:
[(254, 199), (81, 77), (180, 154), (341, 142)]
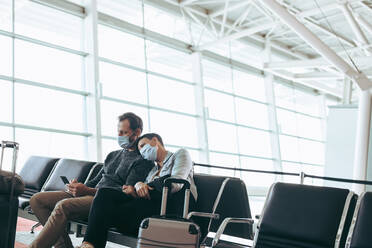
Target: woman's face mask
[(149, 152)]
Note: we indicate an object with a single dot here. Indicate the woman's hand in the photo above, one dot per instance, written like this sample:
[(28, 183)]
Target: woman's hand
[(142, 190), (129, 190)]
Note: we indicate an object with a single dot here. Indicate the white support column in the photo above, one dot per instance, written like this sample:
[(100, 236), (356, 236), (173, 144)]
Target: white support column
[(93, 109), (362, 139), (273, 120), (200, 109), (291, 21), (323, 114), (346, 99)]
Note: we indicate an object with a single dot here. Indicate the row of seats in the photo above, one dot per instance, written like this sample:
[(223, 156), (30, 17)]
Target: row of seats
[(43, 174), (293, 216)]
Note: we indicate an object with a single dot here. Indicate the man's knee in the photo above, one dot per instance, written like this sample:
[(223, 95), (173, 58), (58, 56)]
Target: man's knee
[(36, 200), (63, 207)]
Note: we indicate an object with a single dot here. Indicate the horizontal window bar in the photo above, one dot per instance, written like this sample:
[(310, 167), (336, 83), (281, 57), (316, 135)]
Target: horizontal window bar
[(141, 32), (147, 106), (43, 43), (65, 6), (296, 162), (166, 145), (52, 130), (143, 70), (242, 155), (46, 86), (240, 125), (301, 113), (303, 138), (234, 95)]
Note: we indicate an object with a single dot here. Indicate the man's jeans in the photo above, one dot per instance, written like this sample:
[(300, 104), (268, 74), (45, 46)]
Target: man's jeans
[(54, 209)]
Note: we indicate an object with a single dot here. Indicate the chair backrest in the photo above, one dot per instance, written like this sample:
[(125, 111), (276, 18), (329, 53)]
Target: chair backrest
[(360, 235), (70, 168), (35, 172), (232, 203), (94, 171), (305, 216)]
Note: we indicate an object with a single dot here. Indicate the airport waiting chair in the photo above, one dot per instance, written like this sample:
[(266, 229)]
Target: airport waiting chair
[(305, 216), (94, 171), (228, 198), (34, 173), (360, 235), (70, 168)]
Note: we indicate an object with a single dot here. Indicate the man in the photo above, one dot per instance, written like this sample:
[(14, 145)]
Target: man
[(121, 170)]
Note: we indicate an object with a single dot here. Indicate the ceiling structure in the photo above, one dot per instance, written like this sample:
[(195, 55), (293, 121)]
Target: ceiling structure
[(243, 28)]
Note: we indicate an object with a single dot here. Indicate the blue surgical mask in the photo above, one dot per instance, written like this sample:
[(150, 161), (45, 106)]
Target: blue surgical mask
[(149, 152), (123, 141)]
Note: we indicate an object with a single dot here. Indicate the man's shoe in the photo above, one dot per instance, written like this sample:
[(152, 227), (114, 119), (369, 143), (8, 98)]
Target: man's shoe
[(85, 245)]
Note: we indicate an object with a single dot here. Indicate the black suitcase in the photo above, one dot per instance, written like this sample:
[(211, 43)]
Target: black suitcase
[(11, 185), (169, 232)]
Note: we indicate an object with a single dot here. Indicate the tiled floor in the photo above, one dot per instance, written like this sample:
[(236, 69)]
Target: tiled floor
[(24, 237)]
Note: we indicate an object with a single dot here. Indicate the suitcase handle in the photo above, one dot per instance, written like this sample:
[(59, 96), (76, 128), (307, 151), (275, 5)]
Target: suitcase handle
[(8, 144), (170, 180), (167, 185)]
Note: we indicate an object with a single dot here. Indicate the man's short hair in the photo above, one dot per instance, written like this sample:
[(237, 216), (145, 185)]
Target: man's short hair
[(134, 120), (149, 136)]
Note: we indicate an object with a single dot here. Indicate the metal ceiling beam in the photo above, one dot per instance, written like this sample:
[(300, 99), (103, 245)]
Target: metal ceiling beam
[(359, 78), (316, 24), (364, 23), (313, 63), (237, 35), (353, 24), (324, 9), (224, 18), (318, 75), (312, 83), (187, 2), (232, 7), (254, 40)]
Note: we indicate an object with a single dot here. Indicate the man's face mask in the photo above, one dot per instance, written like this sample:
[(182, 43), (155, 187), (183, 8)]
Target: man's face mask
[(123, 141), (149, 152)]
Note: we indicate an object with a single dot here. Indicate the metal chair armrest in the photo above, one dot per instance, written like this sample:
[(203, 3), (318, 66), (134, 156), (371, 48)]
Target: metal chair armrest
[(223, 225), (201, 214)]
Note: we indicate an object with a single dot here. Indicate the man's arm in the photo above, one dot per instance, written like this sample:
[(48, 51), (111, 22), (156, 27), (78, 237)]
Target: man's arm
[(139, 171), (93, 182), (80, 189)]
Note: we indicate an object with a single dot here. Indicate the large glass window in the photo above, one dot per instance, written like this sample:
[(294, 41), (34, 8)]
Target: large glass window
[(6, 15), (5, 101), (161, 93), (301, 126), (48, 108), (6, 56), (170, 94), (47, 65), (123, 83), (152, 79), (43, 64), (47, 24), (168, 61), (120, 46)]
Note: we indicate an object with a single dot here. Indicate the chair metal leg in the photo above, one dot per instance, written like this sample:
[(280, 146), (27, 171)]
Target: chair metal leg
[(35, 226)]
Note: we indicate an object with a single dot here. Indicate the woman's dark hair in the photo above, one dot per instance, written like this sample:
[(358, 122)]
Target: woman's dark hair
[(149, 136), (134, 120)]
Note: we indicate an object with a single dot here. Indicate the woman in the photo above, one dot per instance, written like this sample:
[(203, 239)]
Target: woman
[(125, 210)]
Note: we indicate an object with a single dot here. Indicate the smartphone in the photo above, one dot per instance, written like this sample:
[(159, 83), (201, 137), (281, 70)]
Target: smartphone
[(65, 180)]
